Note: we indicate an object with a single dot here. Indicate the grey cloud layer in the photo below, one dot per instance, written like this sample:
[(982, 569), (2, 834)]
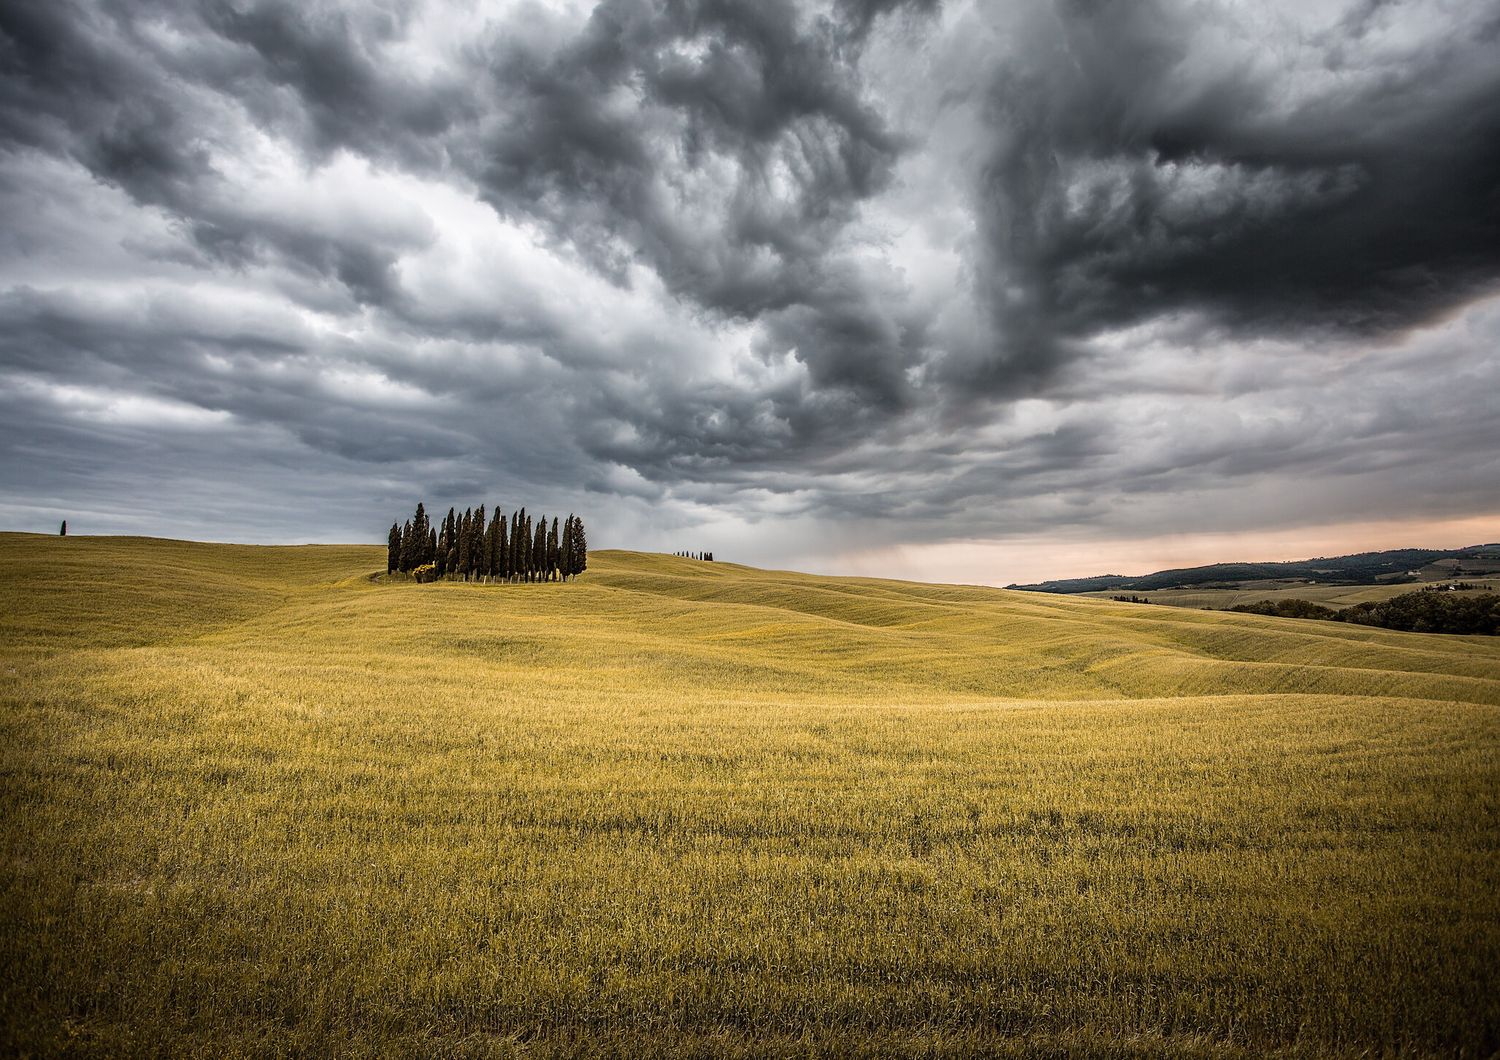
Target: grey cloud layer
[(877, 262), (1347, 189)]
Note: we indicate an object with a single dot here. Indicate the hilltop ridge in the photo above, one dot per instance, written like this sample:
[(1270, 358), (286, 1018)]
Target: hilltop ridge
[(765, 632), (1394, 566)]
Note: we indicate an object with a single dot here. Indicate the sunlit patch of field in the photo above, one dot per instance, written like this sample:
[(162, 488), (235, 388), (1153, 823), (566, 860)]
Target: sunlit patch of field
[(1335, 596), (255, 802)]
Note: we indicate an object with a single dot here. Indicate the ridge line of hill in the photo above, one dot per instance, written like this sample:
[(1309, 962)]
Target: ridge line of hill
[(1393, 566)]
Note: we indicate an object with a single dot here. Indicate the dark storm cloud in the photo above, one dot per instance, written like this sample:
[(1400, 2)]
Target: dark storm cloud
[(727, 145), (93, 82), (73, 84), (324, 57), (1352, 190), (949, 269), (858, 17), (599, 137)]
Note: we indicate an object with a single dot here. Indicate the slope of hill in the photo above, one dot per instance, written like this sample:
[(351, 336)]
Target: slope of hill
[(256, 801), (1365, 568), (1333, 596)]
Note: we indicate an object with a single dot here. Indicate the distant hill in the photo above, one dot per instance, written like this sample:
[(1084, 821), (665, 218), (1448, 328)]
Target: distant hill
[(1364, 568)]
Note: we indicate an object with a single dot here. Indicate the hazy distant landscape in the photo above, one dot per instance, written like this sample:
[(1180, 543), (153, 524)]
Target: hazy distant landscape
[(274, 800), (1345, 579)]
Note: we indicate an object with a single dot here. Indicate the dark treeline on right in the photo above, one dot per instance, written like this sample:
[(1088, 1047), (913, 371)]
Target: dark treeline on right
[(1419, 612), (705, 556)]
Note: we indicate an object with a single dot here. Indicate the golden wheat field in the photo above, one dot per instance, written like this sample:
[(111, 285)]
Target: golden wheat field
[(1334, 596), (257, 802)]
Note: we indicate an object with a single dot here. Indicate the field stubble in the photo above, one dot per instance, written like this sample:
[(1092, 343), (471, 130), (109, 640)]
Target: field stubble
[(254, 803)]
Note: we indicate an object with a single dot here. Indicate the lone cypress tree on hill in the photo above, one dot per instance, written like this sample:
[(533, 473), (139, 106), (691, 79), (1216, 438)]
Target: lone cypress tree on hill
[(63, 532)]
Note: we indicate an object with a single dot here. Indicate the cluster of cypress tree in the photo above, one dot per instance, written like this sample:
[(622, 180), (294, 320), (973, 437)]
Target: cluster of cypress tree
[(518, 549), (708, 556)]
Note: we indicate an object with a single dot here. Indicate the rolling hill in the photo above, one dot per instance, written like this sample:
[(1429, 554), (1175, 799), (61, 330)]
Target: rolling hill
[(1394, 567), (265, 800)]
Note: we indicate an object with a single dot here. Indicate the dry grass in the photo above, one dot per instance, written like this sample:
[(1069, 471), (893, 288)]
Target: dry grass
[(254, 803), (1335, 596)]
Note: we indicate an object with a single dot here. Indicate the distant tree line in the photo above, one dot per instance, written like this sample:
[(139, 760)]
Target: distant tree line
[(707, 556), (1288, 609), (467, 546), (1418, 612)]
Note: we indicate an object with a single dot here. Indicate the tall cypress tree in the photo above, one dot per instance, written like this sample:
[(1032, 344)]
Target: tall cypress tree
[(465, 542), (419, 532), (478, 553), (494, 536), (552, 551), (406, 547), (502, 547), (528, 552), (580, 548), (565, 549), (476, 542), (513, 565), (486, 565), (490, 566), (539, 549), (523, 546), (392, 549)]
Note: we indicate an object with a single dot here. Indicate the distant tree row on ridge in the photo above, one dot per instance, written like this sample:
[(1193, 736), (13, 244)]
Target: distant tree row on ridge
[(1418, 612), (464, 545), (706, 556)]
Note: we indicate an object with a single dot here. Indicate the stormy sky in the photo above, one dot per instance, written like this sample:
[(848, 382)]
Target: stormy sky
[(931, 288)]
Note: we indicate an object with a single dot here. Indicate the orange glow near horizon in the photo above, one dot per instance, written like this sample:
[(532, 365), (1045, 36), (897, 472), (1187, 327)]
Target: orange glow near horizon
[(1064, 555)]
